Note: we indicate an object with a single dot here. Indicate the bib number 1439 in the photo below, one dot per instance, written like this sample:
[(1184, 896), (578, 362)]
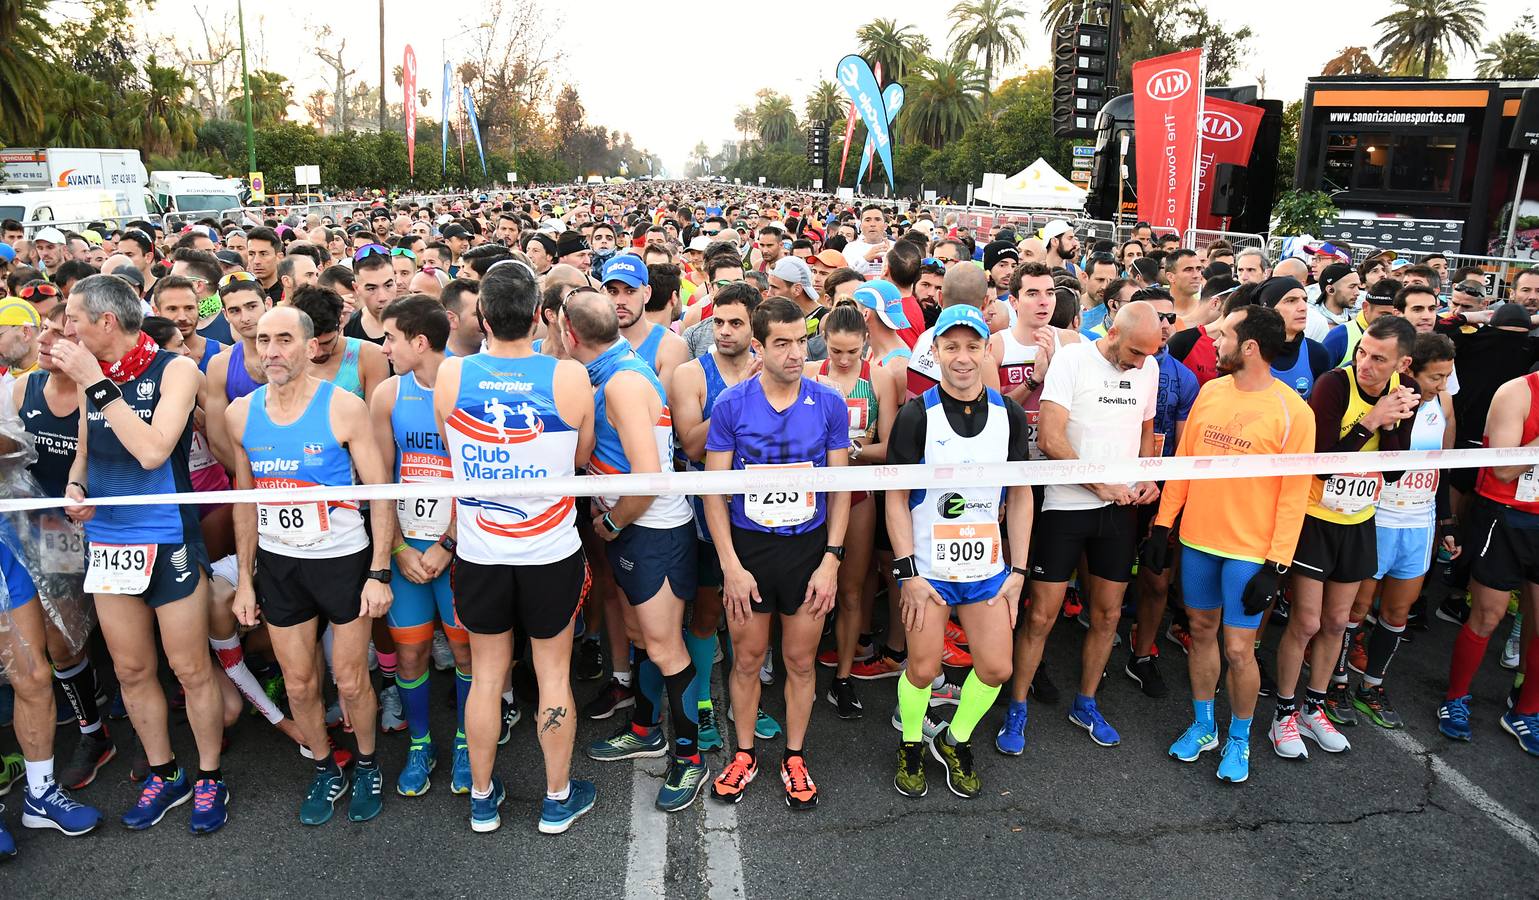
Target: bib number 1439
[(120, 568)]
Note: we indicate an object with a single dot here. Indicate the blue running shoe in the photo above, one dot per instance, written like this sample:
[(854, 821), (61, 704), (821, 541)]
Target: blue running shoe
[(210, 806), (710, 735), (765, 726), (681, 785), (321, 800), (1525, 729), (157, 798), (557, 816), (1453, 718), (483, 811), (1193, 742), (1088, 716), (1011, 740), (421, 760), (56, 810), (1235, 765), (459, 780), (627, 744), (7, 842), (368, 794)]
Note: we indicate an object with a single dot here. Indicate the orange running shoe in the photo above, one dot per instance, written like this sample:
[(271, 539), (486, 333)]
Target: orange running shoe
[(735, 778), (1133, 642), (955, 656), (801, 793), (879, 666), (1357, 655), (955, 634)]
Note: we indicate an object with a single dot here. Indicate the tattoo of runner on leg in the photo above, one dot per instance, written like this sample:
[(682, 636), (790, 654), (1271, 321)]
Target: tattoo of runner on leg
[(553, 717)]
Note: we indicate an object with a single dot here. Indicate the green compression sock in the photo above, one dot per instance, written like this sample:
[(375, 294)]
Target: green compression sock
[(977, 697), (913, 702)]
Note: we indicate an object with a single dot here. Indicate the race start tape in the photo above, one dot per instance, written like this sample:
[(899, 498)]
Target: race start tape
[(851, 478)]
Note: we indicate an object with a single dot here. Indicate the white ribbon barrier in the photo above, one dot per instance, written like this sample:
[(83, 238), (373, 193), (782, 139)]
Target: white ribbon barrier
[(852, 478)]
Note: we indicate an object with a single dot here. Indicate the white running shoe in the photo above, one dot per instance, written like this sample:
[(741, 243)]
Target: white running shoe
[(1317, 727), (1285, 738), (767, 671), (443, 656), (1512, 650), (392, 716)]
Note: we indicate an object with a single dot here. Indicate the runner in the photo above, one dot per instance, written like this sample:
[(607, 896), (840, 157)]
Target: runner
[(1237, 534), (779, 550), (237, 370), (949, 547), (416, 330), (517, 561), (176, 298), (300, 562), (1341, 342), (1356, 409), (628, 285), (147, 563), (1303, 359), (373, 289), (350, 363)]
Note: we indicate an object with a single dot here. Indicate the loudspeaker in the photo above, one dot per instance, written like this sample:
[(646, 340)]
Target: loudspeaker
[(1229, 188)]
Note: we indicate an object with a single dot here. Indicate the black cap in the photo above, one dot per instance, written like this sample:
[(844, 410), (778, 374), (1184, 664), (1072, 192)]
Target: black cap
[(570, 242), (1334, 273), (454, 230), (229, 258), (1511, 315), (545, 241), (997, 251), (1275, 288)]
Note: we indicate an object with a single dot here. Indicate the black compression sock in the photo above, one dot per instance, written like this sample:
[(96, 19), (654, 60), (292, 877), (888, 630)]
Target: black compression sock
[(685, 715), (1286, 706), (790, 755)]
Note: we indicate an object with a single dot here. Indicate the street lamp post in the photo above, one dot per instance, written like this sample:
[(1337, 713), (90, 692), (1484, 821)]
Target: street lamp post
[(245, 79)]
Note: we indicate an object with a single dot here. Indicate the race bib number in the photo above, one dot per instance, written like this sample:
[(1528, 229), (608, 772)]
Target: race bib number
[(1013, 375), (1526, 489), (776, 508), (1033, 419), (1414, 489), (967, 552), (199, 456), (860, 416), (61, 545), (298, 524), (1351, 493), (423, 519), (120, 568)]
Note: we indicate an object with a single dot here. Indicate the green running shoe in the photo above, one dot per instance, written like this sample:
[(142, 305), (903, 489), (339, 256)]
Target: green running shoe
[(319, 803), (765, 726), (710, 735), (627, 744), (368, 799), (1372, 702), (910, 780), (682, 785), (12, 767), (961, 778)]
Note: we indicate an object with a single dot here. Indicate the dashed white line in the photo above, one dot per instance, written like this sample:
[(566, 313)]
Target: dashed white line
[(723, 855), (646, 862), (1471, 793)]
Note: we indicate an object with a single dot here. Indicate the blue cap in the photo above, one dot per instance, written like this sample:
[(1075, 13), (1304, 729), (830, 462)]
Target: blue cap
[(885, 298), (7, 253), (627, 268), (961, 314)]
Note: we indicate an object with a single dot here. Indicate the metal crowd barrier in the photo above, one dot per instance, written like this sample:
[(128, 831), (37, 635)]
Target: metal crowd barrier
[(1201, 238)]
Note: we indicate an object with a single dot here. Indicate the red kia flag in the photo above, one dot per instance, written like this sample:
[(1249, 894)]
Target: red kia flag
[(1228, 134), (1167, 102), (409, 103)]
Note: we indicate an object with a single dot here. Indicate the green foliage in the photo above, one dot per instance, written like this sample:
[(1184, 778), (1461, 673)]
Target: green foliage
[(1169, 26), (1288, 145), (895, 47), (1514, 55), (1418, 32), (1303, 212)]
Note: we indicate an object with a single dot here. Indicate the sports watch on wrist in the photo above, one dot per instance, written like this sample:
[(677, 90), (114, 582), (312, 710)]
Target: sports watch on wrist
[(904, 568), (837, 551), (380, 575)]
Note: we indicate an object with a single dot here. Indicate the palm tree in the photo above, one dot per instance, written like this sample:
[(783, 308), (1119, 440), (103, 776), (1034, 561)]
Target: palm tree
[(24, 42), (894, 47), (1352, 61), (774, 118), (826, 103), (987, 28), (271, 97), (78, 112), (1514, 55), (1426, 29), (744, 122), (941, 98), (165, 123)]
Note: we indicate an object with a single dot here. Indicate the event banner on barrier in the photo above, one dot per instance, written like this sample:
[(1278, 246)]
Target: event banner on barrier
[(1228, 134), (1167, 103)]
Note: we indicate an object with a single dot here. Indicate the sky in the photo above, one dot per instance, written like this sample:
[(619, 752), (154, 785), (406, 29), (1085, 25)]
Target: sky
[(674, 81)]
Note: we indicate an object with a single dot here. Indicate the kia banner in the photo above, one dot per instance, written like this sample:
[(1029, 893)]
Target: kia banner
[(1167, 104), (1228, 133), (409, 104)]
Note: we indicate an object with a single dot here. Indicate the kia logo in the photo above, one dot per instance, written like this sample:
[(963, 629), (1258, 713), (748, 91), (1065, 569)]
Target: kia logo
[(1168, 84), (1220, 126)]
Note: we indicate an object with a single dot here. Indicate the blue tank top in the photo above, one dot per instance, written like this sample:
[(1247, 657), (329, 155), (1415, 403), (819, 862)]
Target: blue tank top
[(1301, 375), (111, 471), (304, 453), (714, 385), (237, 381), (420, 453), (608, 452), (210, 350), (54, 436), (347, 374), (648, 349)]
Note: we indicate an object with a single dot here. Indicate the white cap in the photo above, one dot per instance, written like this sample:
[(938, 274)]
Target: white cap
[(1055, 228), (50, 234), (699, 243)]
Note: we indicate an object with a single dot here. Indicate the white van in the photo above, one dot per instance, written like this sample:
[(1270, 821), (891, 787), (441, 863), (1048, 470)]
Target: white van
[(194, 192), (69, 207)]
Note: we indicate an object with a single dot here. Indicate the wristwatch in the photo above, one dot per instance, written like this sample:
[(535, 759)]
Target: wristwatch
[(448, 543), (837, 551), (1024, 573), (380, 575), (904, 568)]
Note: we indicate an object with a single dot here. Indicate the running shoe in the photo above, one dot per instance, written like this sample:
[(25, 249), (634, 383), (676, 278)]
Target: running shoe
[(627, 744), (954, 656), (910, 780), (7, 842), (1145, 673), (764, 724), (767, 671), (1338, 705), (1178, 635), (483, 810), (1042, 686), (392, 716), (801, 791), (1453, 718), (1011, 739), (681, 785), (368, 793), (841, 693), (1234, 767), (735, 778), (459, 769), (1154, 648), (944, 693), (91, 752), (1455, 608), (210, 806), (1087, 715), (415, 778), (879, 666), (1512, 650), (556, 816), (955, 634), (589, 665), (611, 697), (1072, 606), (830, 658), (930, 728), (1316, 726), (443, 654), (321, 799), (156, 798), (710, 735), (272, 686), (1357, 651), (1371, 700), (12, 767), (336, 715), (341, 755), (56, 810), (1196, 740), (957, 757), (1286, 741), (1525, 729), (510, 718)]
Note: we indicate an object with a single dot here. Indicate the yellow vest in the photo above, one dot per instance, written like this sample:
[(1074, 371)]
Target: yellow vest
[(1351, 497)]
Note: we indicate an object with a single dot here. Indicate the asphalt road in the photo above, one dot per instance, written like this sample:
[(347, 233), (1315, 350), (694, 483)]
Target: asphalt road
[(1405, 814)]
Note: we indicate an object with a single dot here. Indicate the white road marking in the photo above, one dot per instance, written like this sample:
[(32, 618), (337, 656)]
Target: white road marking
[(1473, 794), (723, 855), (646, 863)]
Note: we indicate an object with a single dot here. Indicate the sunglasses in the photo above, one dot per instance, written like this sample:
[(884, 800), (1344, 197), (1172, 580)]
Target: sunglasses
[(402, 251), (711, 233), (33, 290), (236, 276), (936, 261), (1168, 318), (369, 250)]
